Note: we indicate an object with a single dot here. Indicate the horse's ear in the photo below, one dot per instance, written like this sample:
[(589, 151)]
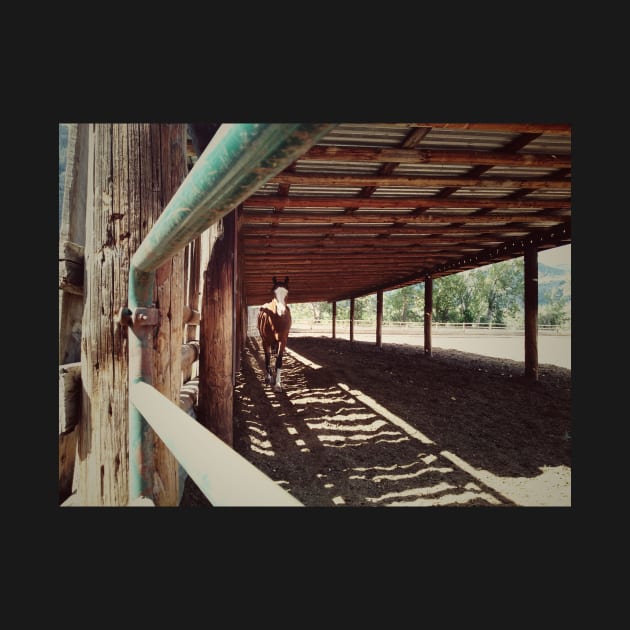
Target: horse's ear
[(274, 281), (286, 281)]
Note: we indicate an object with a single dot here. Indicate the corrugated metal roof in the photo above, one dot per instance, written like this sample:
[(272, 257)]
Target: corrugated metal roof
[(386, 204)]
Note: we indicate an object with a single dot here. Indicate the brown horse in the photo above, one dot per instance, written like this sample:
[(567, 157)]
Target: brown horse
[(274, 323)]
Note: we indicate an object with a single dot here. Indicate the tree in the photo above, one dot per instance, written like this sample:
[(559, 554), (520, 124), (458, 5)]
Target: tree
[(405, 304), (446, 298), (555, 312), (500, 287)]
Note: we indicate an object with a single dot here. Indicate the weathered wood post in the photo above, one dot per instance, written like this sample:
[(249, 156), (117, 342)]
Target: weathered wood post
[(531, 311), (134, 170), (352, 319), (215, 409), (379, 318), (71, 272), (428, 314)]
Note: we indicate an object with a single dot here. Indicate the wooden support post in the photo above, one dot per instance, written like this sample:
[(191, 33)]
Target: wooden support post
[(235, 294), (379, 318), (69, 396), (71, 266), (531, 311), (134, 171), (194, 273), (69, 415), (71, 244), (334, 320), (215, 409), (352, 319), (71, 270), (190, 354), (191, 317), (428, 314)]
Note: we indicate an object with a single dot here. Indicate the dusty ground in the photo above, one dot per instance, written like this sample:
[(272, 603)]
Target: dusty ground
[(358, 425)]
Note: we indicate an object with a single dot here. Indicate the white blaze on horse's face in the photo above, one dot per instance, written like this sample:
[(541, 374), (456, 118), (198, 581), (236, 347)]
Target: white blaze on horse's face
[(281, 295)]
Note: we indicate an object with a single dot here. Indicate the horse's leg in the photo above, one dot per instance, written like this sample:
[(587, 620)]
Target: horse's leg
[(278, 385), (269, 375)]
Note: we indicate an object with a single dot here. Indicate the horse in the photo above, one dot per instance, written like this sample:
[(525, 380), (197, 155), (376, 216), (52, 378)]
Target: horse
[(274, 323)]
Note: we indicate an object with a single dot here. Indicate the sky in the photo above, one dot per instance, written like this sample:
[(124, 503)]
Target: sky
[(556, 256)]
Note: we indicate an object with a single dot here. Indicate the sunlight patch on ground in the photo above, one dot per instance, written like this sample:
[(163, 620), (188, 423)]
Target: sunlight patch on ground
[(255, 448), (372, 404), (337, 426), (309, 400), (302, 359), (392, 467), (358, 436), (259, 444), (421, 493), (427, 490), (344, 417), (447, 499), (338, 500), (549, 489), (359, 444), (379, 478)]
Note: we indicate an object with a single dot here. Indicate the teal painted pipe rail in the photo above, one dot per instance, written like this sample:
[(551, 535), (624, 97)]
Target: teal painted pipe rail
[(239, 159)]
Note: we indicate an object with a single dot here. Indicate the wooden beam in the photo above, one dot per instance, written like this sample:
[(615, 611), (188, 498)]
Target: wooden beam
[(425, 156), (420, 181), (260, 232), (422, 219), (265, 201), (556, 129), (558, 235), (559, 129), (313, 243)]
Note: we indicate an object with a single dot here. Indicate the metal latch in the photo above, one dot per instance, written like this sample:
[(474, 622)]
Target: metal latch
[(140, 316)]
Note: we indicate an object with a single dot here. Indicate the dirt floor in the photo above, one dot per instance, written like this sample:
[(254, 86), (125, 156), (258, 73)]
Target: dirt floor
[(358, 425)]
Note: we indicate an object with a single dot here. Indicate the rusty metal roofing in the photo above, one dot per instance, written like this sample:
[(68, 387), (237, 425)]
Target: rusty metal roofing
[(379, 206)]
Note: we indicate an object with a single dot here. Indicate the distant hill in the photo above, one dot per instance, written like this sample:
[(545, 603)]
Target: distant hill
[(551, 280)]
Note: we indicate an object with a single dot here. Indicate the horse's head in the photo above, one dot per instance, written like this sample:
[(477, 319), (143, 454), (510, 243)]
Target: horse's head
[(277, 283), (280, 291)]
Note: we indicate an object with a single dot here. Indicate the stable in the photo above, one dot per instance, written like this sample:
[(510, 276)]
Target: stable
[(169, 232)]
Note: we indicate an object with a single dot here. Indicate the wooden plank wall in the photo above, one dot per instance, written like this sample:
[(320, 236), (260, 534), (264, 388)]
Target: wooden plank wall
[(71, 272)]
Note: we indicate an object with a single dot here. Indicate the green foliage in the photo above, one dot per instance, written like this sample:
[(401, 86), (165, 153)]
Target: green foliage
[(405, 304), (489, 294), (500, 288), (555, 311)]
